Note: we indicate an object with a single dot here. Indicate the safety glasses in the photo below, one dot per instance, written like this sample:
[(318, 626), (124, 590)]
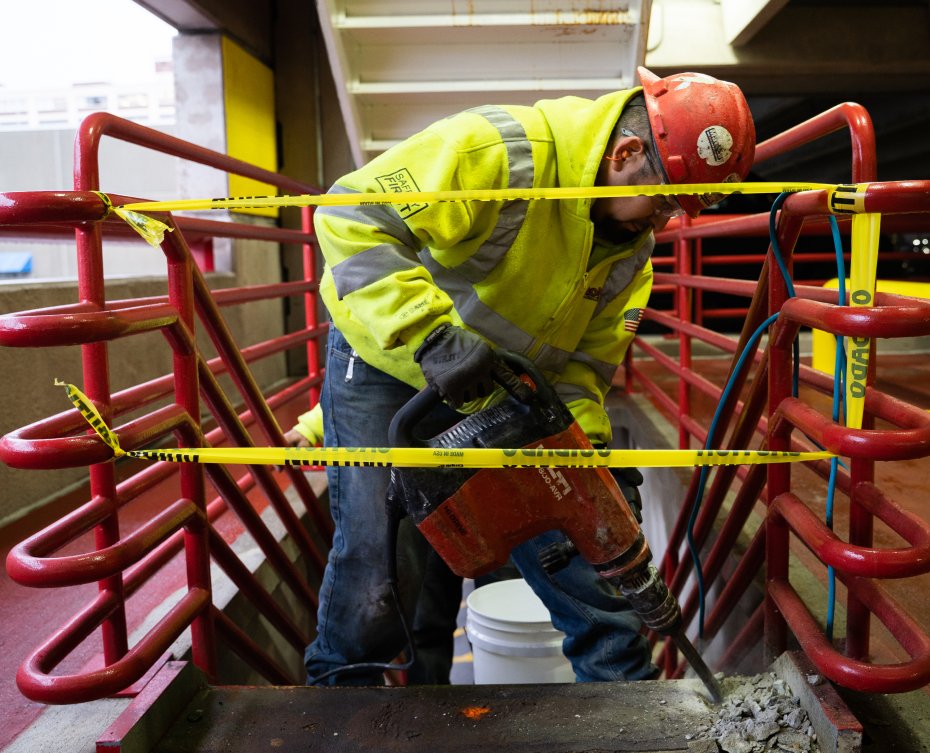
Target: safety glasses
[(665, 206)]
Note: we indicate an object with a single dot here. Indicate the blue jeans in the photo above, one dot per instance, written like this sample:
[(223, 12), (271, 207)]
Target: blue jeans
[(357, 621)]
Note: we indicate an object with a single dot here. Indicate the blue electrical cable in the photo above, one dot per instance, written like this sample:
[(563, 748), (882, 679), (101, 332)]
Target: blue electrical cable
[(789, 284), (705, 471), (702, 482), (839, 371)]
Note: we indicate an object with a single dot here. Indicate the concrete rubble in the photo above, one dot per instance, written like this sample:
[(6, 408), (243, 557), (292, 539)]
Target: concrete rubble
[(760, 714)]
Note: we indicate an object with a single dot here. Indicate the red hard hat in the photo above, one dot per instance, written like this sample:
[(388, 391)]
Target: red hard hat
[(703, 131)]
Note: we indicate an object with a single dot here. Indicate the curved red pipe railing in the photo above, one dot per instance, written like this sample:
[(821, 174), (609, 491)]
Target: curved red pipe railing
[(850, 116), (855, 673), (905, 207), (869, 562), (94, 127), (121, 563), (35, 673)]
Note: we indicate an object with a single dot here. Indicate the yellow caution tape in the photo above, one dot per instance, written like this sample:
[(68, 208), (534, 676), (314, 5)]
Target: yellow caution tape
[(153, 230), (848, 199), (428, 457), (483, 194), (862, 273), (842, 199)]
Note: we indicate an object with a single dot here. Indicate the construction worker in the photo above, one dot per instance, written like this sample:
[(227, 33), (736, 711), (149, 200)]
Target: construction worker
[(425, 293)]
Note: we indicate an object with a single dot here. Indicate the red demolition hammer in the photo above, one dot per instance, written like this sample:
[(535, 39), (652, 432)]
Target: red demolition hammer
[(474, 517)]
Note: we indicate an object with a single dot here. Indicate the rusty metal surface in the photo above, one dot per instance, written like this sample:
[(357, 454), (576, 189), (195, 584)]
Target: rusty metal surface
[(591, 717)]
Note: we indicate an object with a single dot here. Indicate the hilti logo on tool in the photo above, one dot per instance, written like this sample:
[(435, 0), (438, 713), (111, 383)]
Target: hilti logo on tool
[(555, 480)]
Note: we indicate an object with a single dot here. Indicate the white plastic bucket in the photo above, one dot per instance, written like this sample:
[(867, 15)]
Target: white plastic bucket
[(512, 638)]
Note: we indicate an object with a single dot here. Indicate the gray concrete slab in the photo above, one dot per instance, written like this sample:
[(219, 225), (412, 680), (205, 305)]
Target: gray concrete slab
[(642, 716)]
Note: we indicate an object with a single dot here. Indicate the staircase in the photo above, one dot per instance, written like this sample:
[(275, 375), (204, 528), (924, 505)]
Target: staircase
[(400, 65)]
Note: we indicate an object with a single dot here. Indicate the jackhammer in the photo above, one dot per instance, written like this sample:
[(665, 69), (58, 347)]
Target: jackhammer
[(473, 518)]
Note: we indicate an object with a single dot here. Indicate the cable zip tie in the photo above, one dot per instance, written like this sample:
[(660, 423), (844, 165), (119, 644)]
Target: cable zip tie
[(428, 457)]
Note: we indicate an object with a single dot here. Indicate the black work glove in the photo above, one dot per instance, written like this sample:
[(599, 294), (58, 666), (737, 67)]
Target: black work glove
[(461, 366), (629, 480)]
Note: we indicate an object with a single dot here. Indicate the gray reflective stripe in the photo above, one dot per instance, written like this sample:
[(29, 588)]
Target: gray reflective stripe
[(603, 369), (371, 265), (473, 310), (512, 214), (621, 273), (551, 358), (382, 216), (569, 392), (482, 318)]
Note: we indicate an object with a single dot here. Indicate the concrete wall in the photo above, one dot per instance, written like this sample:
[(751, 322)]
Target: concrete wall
[(43, 161)]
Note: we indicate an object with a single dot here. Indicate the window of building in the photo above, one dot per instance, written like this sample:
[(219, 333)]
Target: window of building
[(114, 56)]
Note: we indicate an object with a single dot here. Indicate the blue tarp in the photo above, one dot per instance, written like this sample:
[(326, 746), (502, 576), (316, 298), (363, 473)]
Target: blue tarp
[(15, 263)]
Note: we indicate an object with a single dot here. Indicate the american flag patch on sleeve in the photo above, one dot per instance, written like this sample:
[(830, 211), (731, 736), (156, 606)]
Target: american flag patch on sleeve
[(631, 319)]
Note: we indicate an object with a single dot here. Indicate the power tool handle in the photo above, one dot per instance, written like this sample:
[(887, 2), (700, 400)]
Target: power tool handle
[(400, 432)]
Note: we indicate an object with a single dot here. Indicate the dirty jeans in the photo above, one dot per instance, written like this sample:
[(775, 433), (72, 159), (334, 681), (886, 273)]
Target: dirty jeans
[(357, 620)]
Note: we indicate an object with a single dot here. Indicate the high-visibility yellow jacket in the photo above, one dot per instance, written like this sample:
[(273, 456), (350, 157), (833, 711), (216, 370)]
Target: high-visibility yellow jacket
[(527, 275)]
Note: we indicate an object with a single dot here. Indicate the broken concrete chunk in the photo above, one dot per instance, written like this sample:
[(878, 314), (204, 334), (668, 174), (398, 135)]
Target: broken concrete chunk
[(793, 742), (734, 742), (757, 715), (763, 731)]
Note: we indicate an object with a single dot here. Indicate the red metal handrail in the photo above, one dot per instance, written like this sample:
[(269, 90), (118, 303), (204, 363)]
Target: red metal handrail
[(765, 409), (122, 562)]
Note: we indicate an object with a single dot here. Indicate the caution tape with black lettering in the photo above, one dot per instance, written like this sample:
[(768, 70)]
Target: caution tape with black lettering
[(428, 457), (844, 198)]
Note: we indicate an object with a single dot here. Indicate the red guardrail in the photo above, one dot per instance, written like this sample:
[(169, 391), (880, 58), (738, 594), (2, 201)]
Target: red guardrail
[(121, 562), (765, 408)]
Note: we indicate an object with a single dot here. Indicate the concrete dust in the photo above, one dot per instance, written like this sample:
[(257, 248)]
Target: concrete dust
[(760, 714)]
